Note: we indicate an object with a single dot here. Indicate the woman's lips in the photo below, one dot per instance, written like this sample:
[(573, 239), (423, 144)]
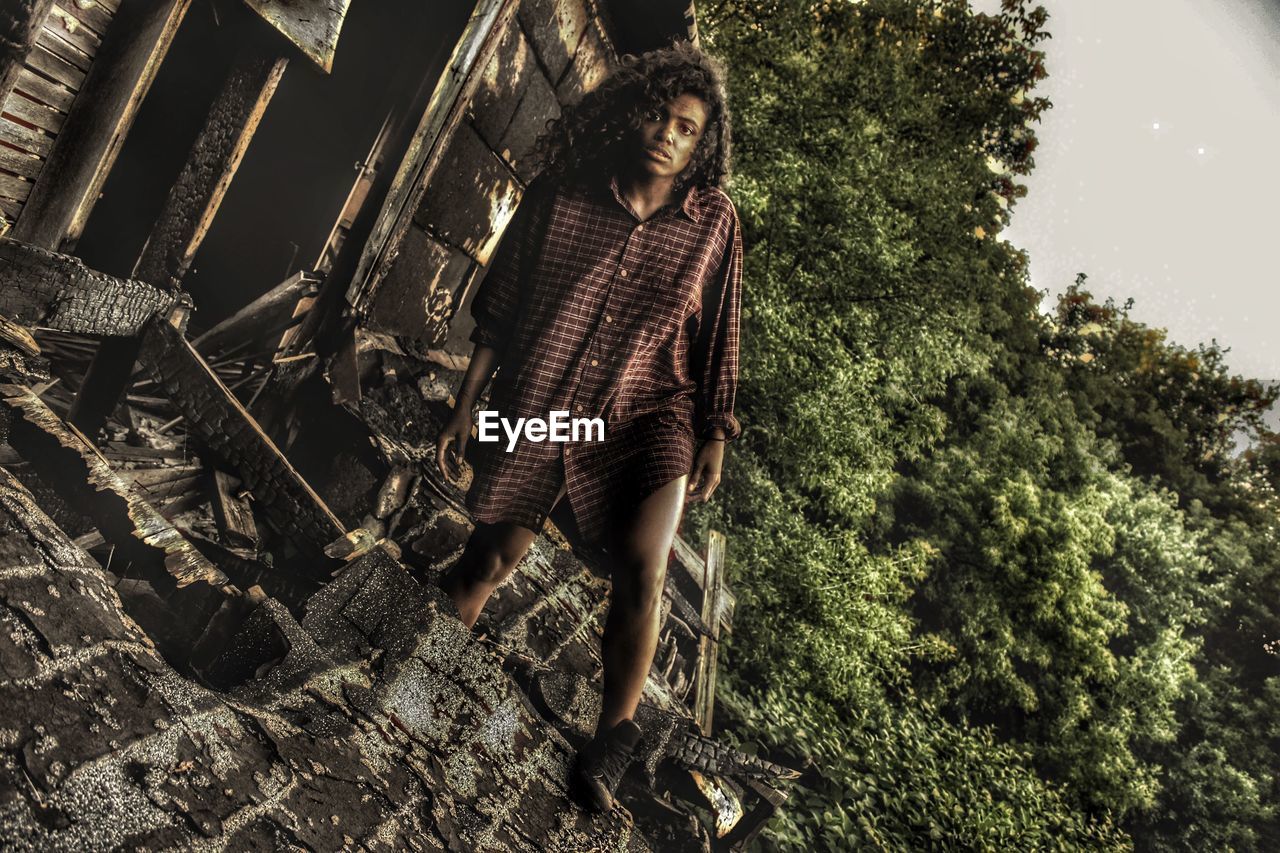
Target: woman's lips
[(657, 154)]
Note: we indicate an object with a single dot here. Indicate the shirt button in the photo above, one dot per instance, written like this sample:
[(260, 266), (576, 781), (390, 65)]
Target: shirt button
[(608, 318), (622, 272), (639, 227), (594, 362), (578, 407)]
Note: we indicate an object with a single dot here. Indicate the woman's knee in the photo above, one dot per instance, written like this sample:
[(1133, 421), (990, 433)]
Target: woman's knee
[(494, 551), (638, 583)]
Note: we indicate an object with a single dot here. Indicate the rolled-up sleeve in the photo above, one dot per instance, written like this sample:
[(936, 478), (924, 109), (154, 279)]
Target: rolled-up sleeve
[(496, 304), (715, 353)]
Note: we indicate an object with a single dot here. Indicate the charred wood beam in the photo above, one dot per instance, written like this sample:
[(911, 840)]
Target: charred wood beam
[(44, 288), (76, 470), (708, 645), (227, 428), (20, 22), (260, 318), (693, 569), (123, 69), (195, 197), (187, 214)]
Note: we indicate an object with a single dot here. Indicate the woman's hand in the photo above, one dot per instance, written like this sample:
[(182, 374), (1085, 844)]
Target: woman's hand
[(706, 471), (456, 431)]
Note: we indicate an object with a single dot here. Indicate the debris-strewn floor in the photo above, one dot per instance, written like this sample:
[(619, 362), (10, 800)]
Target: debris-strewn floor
[(385, 725), (234, 652)]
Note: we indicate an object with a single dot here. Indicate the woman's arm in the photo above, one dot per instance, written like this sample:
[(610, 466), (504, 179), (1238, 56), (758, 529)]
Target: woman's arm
[(457, 430), (715, 352)]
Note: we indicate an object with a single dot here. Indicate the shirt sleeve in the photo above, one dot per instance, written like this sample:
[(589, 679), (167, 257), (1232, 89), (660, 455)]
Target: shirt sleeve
[(715, 352), (495, 306)]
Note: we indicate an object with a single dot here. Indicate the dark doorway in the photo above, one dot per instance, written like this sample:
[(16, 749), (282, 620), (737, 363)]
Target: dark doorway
[(303, 160)]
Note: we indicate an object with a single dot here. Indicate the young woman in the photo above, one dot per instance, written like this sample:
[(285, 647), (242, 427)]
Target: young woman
[(614, 294)]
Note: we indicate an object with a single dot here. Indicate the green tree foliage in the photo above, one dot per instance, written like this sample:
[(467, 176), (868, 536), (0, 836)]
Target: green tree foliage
[(999, 576)]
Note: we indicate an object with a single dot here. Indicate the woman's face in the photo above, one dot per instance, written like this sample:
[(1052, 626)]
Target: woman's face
[(669, 135)]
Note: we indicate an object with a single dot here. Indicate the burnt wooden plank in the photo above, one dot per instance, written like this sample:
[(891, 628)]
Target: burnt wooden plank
[(42, 288), (231, 511), (227, 428), (19, 162), (260, 318), (93, 16), (444, 112), (312, 25), (53, 94), (708, 647), (53, 41), (14, 188), (20, 25), (100, 118), (66, 26), (555, 27), (10, 209), (26, 138), (538, 105), (55, 67), (69, 463), (187, 213), (192, 203), (471, 213), (33, 112), (692, 567)]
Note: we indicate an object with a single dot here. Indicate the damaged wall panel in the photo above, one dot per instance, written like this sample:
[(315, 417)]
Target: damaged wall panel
[(537, 60)]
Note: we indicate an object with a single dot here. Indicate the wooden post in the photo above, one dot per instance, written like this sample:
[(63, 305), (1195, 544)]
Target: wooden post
[(713, 584), (20, 23), (186, 216)]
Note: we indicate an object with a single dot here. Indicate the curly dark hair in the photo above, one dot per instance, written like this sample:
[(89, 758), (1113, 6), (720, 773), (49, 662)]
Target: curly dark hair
[(590, 137)]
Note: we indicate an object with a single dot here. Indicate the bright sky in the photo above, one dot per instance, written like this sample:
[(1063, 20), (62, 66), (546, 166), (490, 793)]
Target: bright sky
[(1158, 168)]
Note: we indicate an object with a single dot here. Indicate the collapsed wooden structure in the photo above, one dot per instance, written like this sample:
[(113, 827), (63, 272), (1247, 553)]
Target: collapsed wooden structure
[(219, 538)]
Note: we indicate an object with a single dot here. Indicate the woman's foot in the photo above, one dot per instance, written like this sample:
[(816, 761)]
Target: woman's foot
[(603, 762)]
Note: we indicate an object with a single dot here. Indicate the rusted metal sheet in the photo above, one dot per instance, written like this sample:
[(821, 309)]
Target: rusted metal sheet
[(74, 466), (312, 25), (471, 213), (416, 300), (537, 106), (43, 288), (591, 62), (222, 422), (502, 84), (555, 27)]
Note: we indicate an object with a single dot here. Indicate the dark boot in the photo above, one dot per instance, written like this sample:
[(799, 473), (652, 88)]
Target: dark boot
[(604, 761)]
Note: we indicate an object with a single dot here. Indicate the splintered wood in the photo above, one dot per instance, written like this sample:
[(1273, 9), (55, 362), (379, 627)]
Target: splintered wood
[(222, 422)]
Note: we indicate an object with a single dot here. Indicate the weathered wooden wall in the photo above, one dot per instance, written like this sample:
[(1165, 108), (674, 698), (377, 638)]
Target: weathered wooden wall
[(34, 110), (547, 55)]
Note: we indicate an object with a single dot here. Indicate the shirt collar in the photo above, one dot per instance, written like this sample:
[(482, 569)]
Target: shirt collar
[(691, 205)]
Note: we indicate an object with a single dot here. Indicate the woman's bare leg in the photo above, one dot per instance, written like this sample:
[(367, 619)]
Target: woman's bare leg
[(638, 562), (493, 551)]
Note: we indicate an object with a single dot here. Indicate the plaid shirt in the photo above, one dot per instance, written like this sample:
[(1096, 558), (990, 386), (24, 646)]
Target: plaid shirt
[(599, 314)]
